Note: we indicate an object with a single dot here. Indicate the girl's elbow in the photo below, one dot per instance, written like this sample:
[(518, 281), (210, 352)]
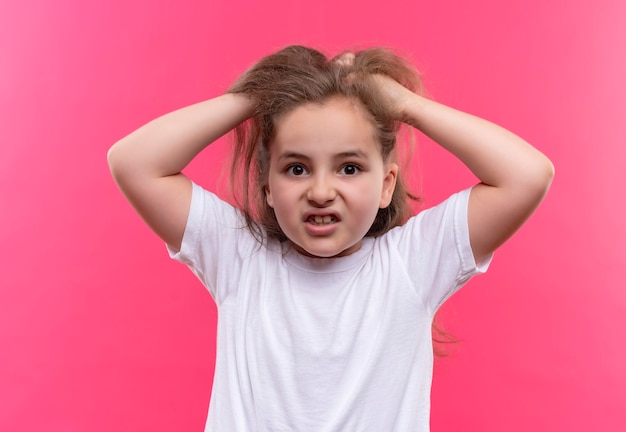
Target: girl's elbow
[(540, 178), (534, 178), (113, 158), (118, 160), (547, 173)]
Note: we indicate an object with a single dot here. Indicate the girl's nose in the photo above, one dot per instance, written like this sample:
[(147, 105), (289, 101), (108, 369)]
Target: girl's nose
[(322, 190)]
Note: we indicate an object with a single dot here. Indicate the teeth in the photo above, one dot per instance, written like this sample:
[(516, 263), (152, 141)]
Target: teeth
[(321, 220)]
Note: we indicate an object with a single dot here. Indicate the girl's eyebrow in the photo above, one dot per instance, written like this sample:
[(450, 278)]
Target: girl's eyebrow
[(352, 154), (292, 155), (343, 155)]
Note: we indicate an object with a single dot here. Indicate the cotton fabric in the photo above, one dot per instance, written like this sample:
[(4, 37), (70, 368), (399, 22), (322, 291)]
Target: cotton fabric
[(325, 344)]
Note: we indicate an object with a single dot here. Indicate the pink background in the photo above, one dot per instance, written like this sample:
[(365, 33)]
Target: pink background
[(100, 331)]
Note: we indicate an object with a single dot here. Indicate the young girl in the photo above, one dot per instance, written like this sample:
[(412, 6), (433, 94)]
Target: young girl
[(326, 287)]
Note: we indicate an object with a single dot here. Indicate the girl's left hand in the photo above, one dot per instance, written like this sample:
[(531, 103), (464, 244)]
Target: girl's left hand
[(396, 95)]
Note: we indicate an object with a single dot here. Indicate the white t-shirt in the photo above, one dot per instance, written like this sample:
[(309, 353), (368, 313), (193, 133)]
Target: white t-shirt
[(325, 344)]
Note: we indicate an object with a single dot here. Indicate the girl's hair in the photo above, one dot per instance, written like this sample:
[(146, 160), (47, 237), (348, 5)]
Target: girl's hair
[(298, 75)]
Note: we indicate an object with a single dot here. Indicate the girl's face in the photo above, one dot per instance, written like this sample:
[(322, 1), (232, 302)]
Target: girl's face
[(327, 178)]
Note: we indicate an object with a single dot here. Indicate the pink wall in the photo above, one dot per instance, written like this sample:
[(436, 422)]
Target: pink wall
[(100, 331)]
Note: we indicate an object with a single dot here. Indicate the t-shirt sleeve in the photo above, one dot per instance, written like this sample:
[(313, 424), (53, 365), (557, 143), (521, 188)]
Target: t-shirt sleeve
[(436, 247), (214, 234)]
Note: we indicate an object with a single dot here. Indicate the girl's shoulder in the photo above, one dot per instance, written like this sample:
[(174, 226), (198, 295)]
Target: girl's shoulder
[(217, 224), (452, 209)]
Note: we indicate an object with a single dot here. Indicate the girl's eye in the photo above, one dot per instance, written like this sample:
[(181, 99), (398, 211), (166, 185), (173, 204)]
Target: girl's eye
[(295, 170), (350, 169)]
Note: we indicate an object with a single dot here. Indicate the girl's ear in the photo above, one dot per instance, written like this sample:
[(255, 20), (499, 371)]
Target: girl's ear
[(389, 185), (268, 196)]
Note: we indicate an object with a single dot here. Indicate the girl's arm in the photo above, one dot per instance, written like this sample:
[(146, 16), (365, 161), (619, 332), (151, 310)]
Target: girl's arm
[(147, 164), (514, 175)]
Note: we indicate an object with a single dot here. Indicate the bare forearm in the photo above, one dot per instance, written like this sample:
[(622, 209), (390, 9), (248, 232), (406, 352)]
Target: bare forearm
[(495, 155), (167, 144)]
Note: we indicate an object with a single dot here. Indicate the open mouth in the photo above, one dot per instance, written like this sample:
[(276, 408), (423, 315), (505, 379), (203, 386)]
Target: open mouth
[(322, 220)]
